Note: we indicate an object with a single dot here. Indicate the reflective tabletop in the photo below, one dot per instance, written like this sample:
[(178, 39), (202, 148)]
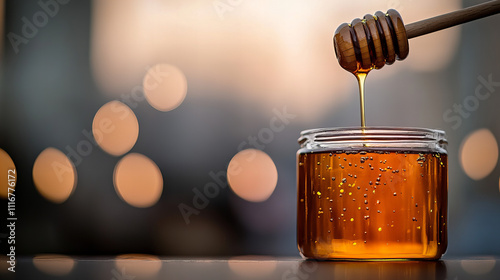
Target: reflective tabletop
[(137, 266)]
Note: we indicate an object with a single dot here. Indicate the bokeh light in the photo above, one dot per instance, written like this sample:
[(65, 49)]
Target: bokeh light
[(138, 180), (138, 265), (252, 175), (52, 264), (479, 154), (54, 175), (478, 266), (115, 128), (165, 87), (252, 266), (6, 164)]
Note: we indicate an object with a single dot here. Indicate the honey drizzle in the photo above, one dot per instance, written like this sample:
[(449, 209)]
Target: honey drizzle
[(361, 76)]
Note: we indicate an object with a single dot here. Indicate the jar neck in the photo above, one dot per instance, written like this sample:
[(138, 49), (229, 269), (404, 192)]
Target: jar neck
[(374, 138)]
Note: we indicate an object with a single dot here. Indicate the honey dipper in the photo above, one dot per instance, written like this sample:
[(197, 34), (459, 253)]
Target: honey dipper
[(382, 38)]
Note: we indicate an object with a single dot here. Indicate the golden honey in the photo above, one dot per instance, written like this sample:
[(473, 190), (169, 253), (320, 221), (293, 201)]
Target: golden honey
[(361, 77), (372, 193)]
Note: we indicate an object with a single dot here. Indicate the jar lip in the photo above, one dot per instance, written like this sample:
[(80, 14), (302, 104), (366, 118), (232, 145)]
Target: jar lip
[(380, 135), (375, 130)]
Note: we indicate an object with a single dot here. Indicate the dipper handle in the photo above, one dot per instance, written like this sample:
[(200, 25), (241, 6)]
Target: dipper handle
[(441, 22)]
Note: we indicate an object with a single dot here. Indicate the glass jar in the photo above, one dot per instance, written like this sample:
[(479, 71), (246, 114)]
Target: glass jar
[(372, 193)]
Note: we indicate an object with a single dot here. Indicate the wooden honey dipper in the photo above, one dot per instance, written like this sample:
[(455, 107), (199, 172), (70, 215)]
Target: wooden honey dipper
[(377, 40)]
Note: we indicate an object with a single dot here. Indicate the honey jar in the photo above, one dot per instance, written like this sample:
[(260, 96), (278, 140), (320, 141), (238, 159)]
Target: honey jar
[(372, 193)]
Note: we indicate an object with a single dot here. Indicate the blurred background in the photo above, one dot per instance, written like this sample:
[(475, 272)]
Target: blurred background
[(123, 119)]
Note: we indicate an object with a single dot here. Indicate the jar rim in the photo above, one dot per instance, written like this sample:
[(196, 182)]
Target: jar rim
[(376, 136)]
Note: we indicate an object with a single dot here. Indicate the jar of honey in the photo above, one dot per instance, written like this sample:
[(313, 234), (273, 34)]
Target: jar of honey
[(372, 193)]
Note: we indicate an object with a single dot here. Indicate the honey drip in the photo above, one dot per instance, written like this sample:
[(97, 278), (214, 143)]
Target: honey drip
[(361, 76)]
